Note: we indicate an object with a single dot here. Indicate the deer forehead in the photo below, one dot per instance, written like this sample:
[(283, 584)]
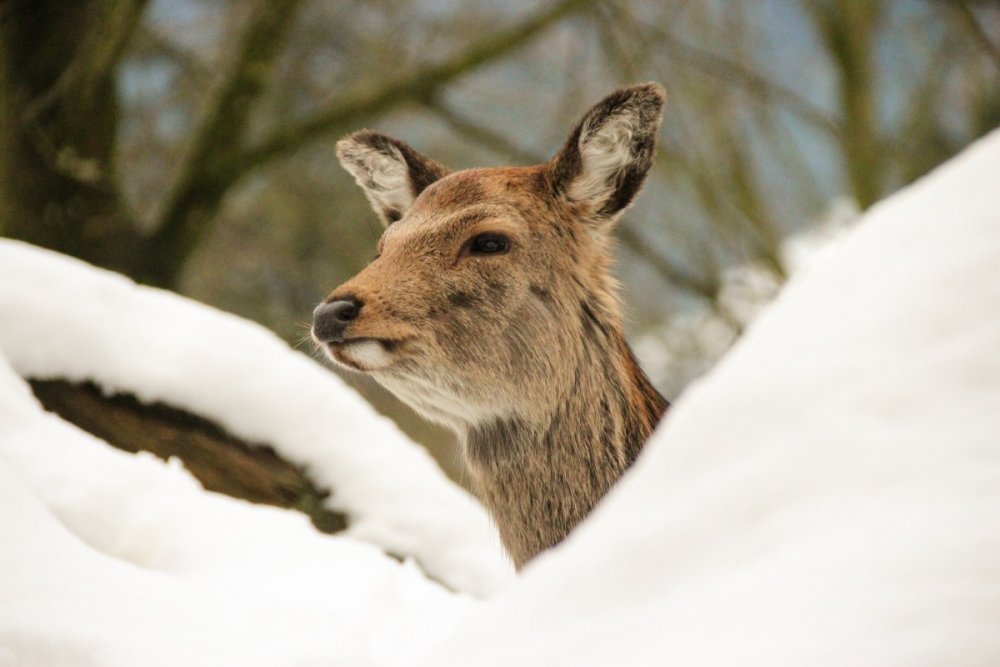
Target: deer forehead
[(469, 202), (508, 187), (470, 186)]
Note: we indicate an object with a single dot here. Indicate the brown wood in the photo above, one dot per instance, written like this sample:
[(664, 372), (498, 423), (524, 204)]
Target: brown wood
[(219, 460)]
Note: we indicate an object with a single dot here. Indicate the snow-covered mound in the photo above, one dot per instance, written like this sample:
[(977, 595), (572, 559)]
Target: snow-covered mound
[(61, 318), (829, 495), (167, 574)]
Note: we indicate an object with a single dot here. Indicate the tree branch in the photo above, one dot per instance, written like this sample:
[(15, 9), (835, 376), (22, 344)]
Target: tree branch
[(152, 41), (98, 54), (847, 29), (214, 162), (198, 189), (480, 134), (370, 100), (977, 30), (733, 72), (220, 461)]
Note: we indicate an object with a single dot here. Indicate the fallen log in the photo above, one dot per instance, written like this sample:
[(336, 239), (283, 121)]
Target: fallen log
[(220, 461)]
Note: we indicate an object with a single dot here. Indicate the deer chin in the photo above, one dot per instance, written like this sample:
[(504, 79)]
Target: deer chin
[(438, 397), (366, 355)]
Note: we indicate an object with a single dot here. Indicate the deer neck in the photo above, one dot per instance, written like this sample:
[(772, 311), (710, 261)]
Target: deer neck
[(540, 478)]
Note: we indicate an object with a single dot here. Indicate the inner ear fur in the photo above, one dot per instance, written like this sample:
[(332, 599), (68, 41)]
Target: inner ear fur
[(606, 158), (391, 173)]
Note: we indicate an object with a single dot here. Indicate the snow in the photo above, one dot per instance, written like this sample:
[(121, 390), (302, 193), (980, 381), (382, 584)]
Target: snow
[(114, 559), (62, 318), (829, 494)]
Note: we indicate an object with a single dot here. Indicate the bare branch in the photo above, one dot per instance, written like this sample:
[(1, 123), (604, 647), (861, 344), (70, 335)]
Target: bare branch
[(197, 190), (161, 44), (732, 72), (480, 134), (370, 100), (977, 30), (98, 54), (847, 29), (706, 289), (214, 161), (102, 53)]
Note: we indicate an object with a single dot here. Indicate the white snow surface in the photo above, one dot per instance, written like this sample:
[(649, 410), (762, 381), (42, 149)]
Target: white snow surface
[(828, 495), (111, 559), (62, 318)]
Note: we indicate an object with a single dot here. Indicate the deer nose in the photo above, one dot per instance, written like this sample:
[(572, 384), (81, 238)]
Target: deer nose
[(331, 319)]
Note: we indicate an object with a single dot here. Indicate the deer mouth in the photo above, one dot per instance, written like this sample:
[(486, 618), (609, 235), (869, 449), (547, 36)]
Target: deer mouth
[(364, 353)]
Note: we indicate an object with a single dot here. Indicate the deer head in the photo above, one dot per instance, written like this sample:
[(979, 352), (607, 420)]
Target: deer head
[(485, 278)]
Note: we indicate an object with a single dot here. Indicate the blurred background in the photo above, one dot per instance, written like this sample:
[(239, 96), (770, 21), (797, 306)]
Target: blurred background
[(190, 143)]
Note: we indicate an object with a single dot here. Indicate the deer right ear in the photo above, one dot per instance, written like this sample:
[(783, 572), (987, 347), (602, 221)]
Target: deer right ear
[(390, 172), (605, 160)]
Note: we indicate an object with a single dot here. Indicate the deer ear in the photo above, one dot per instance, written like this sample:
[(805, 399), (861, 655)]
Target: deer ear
[(390, 172), (605, 159)]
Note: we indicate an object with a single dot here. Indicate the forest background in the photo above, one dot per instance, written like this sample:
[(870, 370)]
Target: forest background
[(189, 143)]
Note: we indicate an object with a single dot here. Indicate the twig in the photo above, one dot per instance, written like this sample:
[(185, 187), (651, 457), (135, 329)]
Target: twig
[(977, 30), (197, 190), (189, 64), (738, 74), (480, 134), (98, 53), (368, 101)]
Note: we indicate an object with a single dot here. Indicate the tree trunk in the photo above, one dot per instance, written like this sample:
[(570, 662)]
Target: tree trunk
[(849, 29), (60, 113), (60, 123)]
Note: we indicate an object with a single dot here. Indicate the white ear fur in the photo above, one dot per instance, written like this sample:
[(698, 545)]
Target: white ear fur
[(605, 160), (391, 173), (604, 152), (382, 174)]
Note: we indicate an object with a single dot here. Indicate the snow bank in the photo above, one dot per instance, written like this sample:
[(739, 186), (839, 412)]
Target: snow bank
[(830, 494), (61, 318), (168, 574)]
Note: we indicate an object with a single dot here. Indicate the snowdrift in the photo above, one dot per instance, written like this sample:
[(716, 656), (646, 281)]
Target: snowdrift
[(62, 318), (829, 495), (112, 559)]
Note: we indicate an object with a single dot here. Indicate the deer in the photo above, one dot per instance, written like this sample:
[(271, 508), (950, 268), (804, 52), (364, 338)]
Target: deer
[(491, 308)]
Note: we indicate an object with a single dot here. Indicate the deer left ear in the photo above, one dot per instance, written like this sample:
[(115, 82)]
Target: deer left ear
[(605, 160), (391, 173)]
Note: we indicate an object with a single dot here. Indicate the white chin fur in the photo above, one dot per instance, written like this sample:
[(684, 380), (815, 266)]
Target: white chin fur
[(365, 355), (446, 406)]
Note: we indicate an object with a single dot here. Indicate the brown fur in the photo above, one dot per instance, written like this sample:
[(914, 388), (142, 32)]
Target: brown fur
[(521, 353)]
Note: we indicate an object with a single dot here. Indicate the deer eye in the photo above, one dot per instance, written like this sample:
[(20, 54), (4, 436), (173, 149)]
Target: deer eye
[(488, 244)]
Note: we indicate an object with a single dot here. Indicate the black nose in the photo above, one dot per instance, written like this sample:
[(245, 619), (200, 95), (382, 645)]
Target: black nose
[(331, 319)]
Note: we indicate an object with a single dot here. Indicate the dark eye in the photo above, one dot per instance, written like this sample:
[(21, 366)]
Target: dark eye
[(488, 244)]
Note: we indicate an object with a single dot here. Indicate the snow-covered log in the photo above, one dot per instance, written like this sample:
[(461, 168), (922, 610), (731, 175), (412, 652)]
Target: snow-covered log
[(220, 461), (61, 319)]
